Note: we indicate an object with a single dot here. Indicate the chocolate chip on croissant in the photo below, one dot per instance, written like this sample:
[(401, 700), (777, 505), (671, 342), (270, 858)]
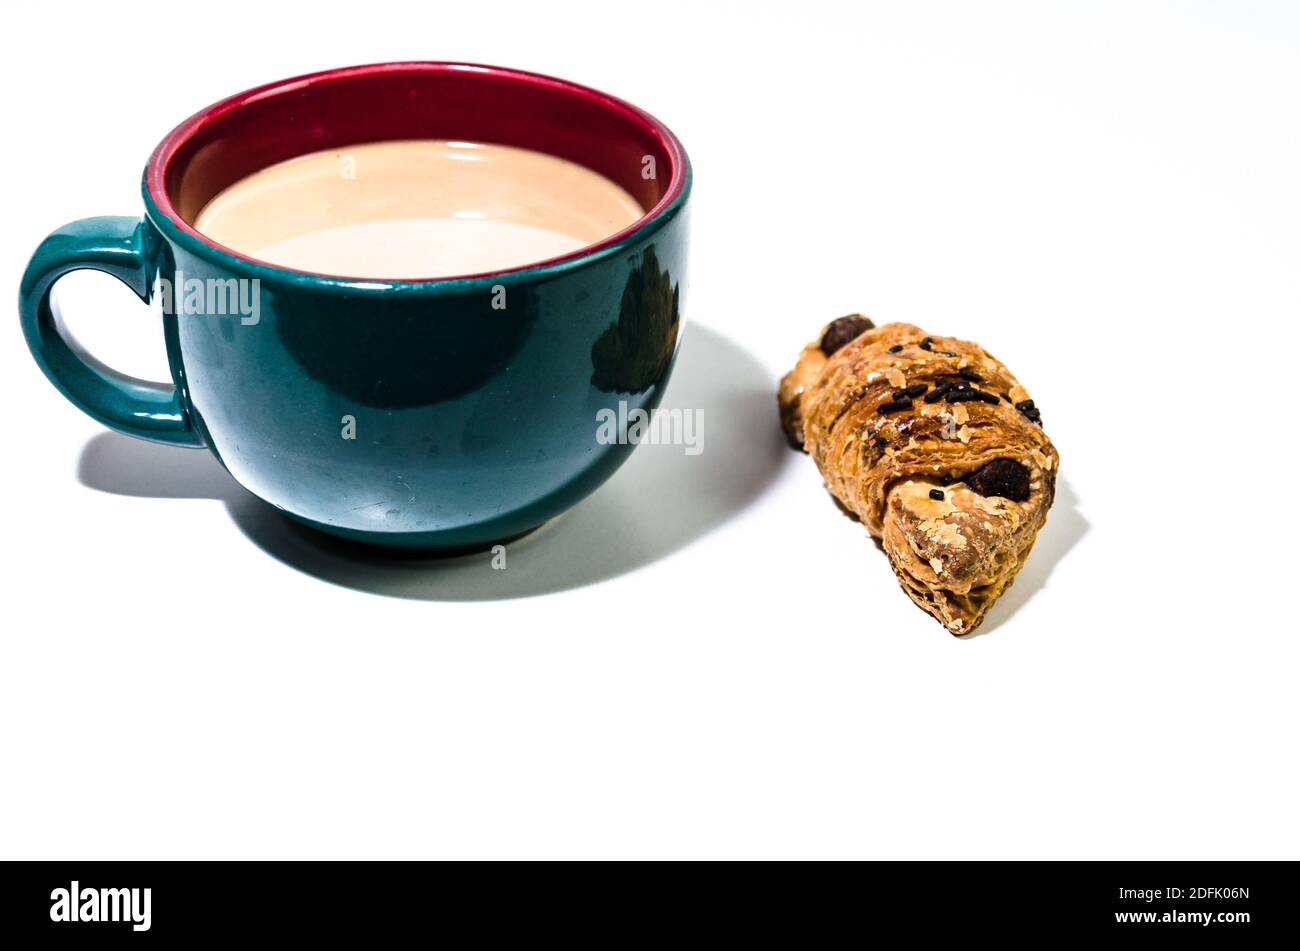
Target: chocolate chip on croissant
[(935, 447), (841, 331)]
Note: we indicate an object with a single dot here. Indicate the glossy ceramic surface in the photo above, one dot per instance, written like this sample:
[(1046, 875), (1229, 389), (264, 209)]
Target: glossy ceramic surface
[(435, 413)]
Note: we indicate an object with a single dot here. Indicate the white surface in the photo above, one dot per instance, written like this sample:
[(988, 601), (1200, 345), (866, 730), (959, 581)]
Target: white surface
[(705, 658)]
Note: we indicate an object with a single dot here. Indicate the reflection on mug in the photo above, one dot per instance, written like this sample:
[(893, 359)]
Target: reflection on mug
[(635, 352)]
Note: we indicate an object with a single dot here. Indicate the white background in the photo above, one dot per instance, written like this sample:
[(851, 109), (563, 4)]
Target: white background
[(705, 659)]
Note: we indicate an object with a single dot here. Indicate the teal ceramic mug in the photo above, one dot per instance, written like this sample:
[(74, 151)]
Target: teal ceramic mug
[(411, 413)]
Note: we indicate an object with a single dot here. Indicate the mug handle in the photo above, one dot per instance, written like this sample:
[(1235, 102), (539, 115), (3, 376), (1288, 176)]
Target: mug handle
[(114, 245)]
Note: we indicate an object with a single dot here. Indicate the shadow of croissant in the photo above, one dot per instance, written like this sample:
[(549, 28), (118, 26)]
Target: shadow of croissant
[(1065, 527), (660, 501)]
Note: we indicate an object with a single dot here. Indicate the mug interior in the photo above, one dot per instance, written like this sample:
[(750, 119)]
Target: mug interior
[(247, 132)]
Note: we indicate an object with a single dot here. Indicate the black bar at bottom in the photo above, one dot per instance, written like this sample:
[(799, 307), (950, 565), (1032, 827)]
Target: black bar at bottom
[(1230, 903)]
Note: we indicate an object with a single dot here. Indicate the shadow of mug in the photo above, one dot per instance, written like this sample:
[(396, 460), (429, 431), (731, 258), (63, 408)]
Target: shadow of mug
[(661, 500)]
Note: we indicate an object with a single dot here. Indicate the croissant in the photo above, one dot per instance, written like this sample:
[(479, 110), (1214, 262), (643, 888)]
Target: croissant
[(935, 447)]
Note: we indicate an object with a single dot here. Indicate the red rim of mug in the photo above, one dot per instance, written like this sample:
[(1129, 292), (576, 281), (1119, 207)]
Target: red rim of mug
[(595, 129)]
